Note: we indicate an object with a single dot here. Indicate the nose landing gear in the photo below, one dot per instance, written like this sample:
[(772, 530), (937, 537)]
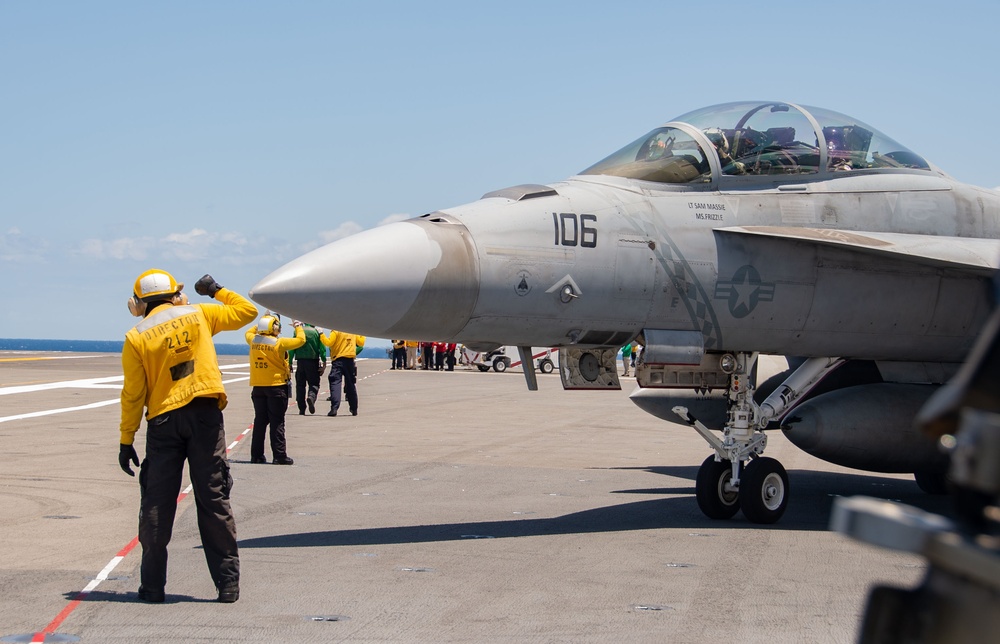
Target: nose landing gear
[(738, 476)]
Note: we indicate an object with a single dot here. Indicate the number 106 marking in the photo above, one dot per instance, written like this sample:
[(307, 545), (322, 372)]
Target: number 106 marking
[(572, 230)]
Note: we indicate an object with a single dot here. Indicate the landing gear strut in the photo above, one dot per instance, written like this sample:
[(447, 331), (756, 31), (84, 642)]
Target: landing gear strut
[(738, 476)]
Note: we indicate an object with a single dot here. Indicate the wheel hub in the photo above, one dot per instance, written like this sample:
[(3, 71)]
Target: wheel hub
[(772, 491), (727, 493)]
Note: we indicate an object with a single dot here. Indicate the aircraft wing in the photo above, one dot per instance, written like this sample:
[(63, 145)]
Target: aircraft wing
[(969, 254)]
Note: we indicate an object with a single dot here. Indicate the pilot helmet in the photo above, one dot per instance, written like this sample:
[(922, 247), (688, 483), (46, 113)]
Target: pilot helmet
[(718, 139), (836, 139)]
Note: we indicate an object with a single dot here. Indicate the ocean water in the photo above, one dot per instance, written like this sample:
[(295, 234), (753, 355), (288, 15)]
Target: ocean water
[(115, 346), (97, 346)]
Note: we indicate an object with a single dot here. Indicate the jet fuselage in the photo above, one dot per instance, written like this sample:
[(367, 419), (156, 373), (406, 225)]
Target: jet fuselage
[(736, 230), (593, 260)]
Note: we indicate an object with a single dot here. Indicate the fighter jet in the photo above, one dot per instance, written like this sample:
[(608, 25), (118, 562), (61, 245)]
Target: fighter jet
[(733, 231)]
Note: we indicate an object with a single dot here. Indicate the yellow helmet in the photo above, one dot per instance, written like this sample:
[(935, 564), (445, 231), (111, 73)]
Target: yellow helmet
[(155, 284), (269, 324)]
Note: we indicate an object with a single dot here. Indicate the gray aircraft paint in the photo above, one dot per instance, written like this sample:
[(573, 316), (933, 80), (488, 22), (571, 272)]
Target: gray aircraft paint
[(851, 247)]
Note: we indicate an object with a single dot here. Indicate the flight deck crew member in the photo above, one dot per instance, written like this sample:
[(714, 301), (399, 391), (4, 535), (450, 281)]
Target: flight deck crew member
[(411, 354), (427, 355), (343, 349), (269, 377), (439, 349), (171, 369), (310, 363), (398, 354)]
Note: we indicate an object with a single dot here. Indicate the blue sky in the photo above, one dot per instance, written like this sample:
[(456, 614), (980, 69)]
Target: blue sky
[(230, 137)]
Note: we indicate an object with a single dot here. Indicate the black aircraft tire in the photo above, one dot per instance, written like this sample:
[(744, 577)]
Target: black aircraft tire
[(713, 501), (763, 490), (546, 366)]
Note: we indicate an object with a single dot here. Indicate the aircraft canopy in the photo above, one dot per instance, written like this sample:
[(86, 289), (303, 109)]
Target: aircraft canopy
[(757, 139)]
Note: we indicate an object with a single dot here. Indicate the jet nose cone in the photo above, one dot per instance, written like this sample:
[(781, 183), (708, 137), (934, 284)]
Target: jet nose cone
[(413, 279)]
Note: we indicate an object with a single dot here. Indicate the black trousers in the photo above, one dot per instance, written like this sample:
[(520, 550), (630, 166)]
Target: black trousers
[(194, 433), (269, 407), (399, 357), (343, 372), (306, 377)]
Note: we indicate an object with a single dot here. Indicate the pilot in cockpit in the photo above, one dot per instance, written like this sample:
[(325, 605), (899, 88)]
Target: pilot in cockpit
[(846, 147), (721, 143), (659, 146)]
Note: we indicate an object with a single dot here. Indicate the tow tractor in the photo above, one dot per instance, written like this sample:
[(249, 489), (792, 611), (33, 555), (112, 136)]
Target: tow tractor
[(499, 360)]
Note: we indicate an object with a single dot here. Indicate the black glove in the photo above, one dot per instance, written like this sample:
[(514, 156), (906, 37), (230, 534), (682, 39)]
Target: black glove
[(207, 286), (127, 453)]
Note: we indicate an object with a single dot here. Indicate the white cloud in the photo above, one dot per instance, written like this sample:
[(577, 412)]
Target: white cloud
[(194, 245), (345, 229), (391, 219), (349, 228), (130, 248), (198, 244), (15, 247), (217, 248), (195, 235)]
